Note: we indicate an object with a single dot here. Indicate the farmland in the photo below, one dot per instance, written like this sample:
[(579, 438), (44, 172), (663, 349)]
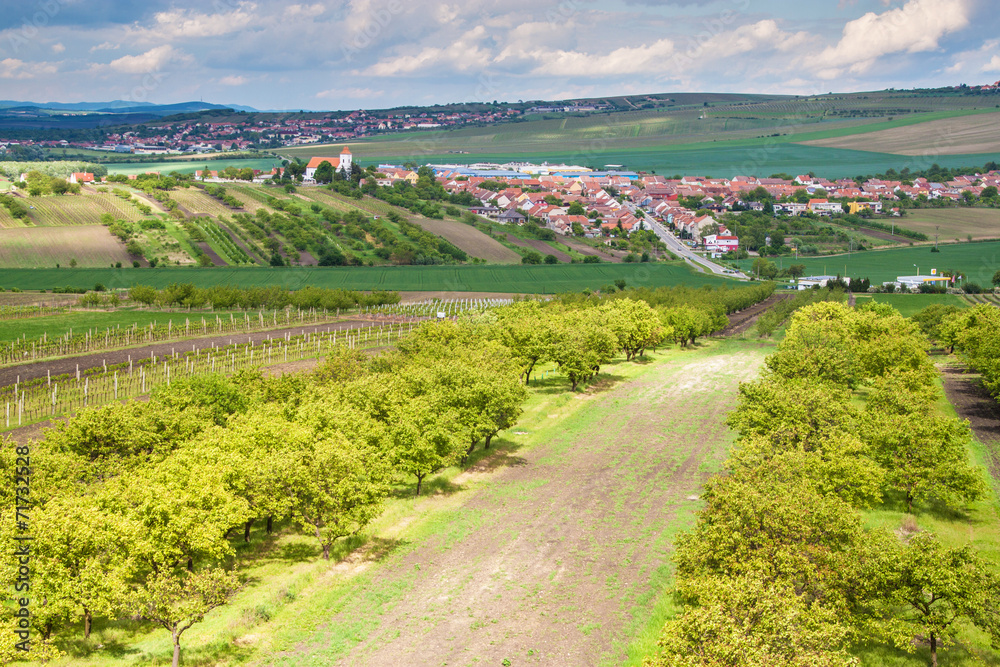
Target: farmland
[(469, 239), (541, 279), (977, 261), (43, 248), (962, 134), (954, 224), (720, 140), (57, 211), (189, 165)]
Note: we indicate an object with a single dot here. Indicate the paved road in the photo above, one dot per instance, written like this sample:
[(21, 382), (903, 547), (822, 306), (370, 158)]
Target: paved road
[(680, 249)]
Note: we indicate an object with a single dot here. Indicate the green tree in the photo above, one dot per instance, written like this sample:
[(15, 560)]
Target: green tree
[(576, 208), (324, 172), (937, 586)]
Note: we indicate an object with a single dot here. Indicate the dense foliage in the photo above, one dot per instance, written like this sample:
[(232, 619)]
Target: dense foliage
[(780, 568)]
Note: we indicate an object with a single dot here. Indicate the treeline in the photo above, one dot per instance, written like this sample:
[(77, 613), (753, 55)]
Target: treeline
[(268, 298), (975, 334), (15, 207), (55, 169), (780, 568)]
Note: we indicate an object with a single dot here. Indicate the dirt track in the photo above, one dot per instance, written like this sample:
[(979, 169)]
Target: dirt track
[(743, 320), (973, 402), (552, 562)]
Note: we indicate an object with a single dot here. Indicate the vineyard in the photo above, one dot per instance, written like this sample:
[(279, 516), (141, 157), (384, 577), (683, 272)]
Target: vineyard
[(199, 203), (43, 399), (80, 209), (45, 247)]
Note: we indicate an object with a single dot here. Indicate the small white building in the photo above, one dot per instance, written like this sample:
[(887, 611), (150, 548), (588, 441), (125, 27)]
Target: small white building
[(808, 282)]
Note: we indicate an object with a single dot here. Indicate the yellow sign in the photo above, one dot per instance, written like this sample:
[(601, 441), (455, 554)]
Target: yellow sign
[(933, 272)]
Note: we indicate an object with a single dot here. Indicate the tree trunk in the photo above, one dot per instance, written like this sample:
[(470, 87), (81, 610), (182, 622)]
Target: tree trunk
[(909, 501), (420, 479), (270, 524), (190, 564), (326, 551), (88, 622), (246, 530), (934, 662), (228, 533), (177, 649), (488, 438)]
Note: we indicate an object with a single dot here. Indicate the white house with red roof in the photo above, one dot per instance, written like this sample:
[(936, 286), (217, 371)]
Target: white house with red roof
[(342, 163), (81, 177), (721, 243)]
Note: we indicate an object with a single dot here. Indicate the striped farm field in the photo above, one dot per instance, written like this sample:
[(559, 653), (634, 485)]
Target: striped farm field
[(199, 203), (954, 223), (60, 211), (251, 199), (522, 279), (44, 247), (7, 220), (469, 239)]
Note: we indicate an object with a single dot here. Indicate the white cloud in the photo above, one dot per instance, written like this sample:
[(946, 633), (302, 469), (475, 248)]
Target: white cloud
[(58, 48), (462, 55), (233, 80), (305, 11), (349, 93), (624, 60), (755, 37), (916, 26), (187, 24), (12, 68), (153, 60), (105, 46), (993, 65)]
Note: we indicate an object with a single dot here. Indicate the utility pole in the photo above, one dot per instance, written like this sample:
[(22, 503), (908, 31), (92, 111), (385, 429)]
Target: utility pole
[(936, 229)]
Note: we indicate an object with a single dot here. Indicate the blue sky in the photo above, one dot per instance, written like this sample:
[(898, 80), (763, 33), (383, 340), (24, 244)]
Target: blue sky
[(383, 53)]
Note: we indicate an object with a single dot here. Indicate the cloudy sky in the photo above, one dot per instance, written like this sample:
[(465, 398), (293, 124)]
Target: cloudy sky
[(383, 53)]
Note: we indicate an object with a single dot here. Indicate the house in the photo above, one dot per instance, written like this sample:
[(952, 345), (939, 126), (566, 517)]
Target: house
[(342, 163), (81, 177), (855, 207), (486, 211), (914, 282), (511, 216), (791, 208), (825, 207), (721, 243)]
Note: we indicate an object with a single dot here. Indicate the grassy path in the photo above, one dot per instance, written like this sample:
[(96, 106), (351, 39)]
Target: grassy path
[(560, 557)]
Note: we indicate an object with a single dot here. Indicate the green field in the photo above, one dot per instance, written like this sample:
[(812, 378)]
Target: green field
[(908, 304), (189, 166), (539, 279), (977, 261), (81, 321)]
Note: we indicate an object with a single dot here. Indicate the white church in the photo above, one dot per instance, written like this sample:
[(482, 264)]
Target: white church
[(342, 163)]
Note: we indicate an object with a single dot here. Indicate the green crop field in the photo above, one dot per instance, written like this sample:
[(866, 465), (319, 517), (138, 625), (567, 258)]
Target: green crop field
[(190, 166), (81, 321), (908, 304), (977, 261), (540, 279)]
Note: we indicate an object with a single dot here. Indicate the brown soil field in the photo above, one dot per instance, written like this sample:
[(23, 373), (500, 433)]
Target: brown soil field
[(540, 246), (973, 402), (953, 223), (469, 239), (551, 562), (950, 136), (44, 247)]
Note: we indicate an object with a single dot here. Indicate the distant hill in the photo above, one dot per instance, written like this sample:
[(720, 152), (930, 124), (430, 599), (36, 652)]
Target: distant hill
[(121, 106)]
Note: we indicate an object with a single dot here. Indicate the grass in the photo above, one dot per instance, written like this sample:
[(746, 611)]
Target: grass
[(80, 321), (542, 279), (977, 261), (909, 304)]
